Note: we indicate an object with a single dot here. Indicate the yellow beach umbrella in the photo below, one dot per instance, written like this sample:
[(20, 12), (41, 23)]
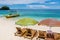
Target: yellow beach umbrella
[(26, 22)]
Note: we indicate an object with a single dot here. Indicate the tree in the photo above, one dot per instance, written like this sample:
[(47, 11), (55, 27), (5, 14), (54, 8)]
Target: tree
[(4, 8)]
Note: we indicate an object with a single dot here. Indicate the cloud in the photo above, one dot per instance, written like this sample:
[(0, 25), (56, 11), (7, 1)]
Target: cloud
[(38, 7), (53, 3), (21, 1), (54, 7)]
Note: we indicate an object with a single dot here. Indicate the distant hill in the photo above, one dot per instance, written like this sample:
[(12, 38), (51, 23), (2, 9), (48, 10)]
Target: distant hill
[(4, 8)]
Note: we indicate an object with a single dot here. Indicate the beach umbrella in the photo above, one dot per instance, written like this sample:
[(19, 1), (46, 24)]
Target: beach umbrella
[(26, 22), (50, 23)]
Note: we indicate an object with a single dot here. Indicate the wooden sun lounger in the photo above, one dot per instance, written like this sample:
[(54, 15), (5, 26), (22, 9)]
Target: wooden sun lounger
[(41, 35), (57, 36), (30, 36), (20, 32), (50, 36)]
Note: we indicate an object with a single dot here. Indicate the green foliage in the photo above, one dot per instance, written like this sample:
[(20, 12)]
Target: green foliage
[(4, 8)]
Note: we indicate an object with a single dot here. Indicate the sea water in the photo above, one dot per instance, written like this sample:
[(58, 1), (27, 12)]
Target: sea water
[(37, 14)]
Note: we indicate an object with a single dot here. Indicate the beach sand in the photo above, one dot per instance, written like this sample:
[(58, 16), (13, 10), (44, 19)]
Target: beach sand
[(8, 28)]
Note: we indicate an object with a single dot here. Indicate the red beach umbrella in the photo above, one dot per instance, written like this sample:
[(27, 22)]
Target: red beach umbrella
[(50, 22)]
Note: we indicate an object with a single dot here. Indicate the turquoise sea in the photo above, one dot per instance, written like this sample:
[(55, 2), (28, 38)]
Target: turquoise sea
[(37, 14)]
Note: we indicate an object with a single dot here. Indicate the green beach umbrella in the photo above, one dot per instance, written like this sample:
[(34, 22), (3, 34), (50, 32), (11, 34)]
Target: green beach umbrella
[(26, 22)]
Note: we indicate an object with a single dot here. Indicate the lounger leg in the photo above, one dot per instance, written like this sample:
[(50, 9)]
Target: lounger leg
[(31, 39), (39, 38), (36, 38)]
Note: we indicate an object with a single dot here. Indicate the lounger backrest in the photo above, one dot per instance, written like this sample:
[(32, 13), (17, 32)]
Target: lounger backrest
[(29, 31), (50, 35), (42, 33), (19, 30)]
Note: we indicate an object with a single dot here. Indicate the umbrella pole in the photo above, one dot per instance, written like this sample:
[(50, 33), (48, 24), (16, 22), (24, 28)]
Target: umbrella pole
[(49, 28)]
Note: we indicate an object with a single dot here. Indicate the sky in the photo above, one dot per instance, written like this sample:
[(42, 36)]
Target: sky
[(31, 4)]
